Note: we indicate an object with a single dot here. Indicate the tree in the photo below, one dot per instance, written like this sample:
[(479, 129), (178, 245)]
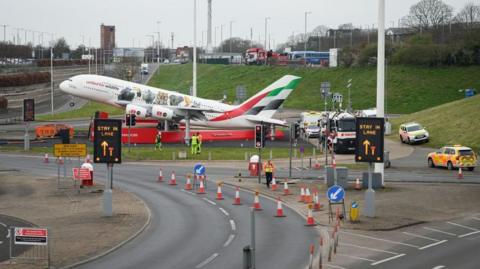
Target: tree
[(320, 30), (60, 47), (469, 15), (78, 52), (346, 26), (429, 14), (238, 45)]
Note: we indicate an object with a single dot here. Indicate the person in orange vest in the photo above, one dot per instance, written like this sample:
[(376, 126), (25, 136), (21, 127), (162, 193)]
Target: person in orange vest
[(268, 167)]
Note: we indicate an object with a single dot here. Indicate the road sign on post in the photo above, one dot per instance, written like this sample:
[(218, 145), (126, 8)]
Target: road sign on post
[(70, 150), (107, 145), (369, 140), (28, 110)]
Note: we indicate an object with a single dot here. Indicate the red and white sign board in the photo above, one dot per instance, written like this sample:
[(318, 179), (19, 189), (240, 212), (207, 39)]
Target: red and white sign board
[(81, 173), (31, 236)]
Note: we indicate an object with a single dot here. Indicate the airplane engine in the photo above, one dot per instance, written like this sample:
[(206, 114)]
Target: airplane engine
[(137, 110), (162, 113)]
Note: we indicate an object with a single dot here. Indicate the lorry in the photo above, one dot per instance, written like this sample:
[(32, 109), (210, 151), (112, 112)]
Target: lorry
[(255, 56), (341, 131), (144, 69)]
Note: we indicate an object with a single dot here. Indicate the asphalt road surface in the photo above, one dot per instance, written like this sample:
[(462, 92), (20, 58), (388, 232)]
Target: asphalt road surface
[(194, 231), (5, 223)]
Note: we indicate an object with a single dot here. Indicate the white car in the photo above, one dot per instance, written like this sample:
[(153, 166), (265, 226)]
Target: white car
[(312, 131)]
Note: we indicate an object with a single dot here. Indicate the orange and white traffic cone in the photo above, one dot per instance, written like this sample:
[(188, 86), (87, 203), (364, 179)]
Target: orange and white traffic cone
[(237, 197), (310, 220), (188, 185), (219, 192), (256, 202), (301, 198), (173, 181), (286, 191), (358, 187), (160, 175), (316, 202), (201, 189), (279, 209), (460, 173), (45, 158), (308, 196), (274, 184)]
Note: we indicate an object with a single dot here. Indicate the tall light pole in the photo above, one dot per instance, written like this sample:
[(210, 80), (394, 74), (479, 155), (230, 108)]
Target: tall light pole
[(221, 36), (306, 39), (153, 41), (194, 80), (4, 32), (265, 44), (231, 22), (379, 168), (158, 42), (51, 78), (215, 37)]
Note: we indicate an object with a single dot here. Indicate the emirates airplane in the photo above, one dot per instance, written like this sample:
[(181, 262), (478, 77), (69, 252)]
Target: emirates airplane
[(154, 103)]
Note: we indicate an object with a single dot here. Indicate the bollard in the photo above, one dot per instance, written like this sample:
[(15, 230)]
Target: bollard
[(247, 258), (246, 156), (173, 155), (314, 152), (310, 163), (295, 154), (209, 155), (271, 155)]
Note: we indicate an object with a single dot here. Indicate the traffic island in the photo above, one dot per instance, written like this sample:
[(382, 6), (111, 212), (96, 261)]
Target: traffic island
[(78, 230), (398, 205)]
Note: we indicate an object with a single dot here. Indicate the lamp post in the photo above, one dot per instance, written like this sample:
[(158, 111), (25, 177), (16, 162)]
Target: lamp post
[(153, 43), (51, 78), (379, 167), (231, 22), (158, 42), (266, 20), (306, 39), (194, 80)]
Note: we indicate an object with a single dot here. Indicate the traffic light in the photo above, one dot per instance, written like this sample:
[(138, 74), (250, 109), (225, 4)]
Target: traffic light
[(130, 119), (259, 135), (296, 131)]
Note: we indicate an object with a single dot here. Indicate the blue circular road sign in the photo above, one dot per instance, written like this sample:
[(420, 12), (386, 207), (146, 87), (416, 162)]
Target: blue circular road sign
[(199, 169), (335, 193)]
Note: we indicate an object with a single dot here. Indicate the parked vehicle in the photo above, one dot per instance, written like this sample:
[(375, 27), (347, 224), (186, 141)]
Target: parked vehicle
[(412, 132)]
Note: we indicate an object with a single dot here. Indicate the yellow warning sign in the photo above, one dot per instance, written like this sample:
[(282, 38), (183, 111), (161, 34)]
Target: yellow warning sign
[(70, 150)]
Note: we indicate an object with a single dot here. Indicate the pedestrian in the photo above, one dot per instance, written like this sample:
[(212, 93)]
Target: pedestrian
[(158, 141), (194, 144), (268, 167), (199, 143)]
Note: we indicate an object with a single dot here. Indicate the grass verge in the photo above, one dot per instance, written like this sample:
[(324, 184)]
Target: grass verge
[(87, 111)]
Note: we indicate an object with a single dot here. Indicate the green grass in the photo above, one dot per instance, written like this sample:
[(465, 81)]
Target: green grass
[(87, 111), (457, 122), (409, 88)]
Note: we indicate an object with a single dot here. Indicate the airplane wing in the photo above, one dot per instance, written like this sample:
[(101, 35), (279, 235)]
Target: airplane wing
[(261, 120)]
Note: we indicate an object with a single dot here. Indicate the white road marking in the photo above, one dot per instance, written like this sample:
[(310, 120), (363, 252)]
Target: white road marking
[(207, 261), (229, 240), (334, 266), (421, 236), (463, 235), (232, 224), (372, 249), (209, 201), (433, 244), (438, 267), (224, 211), (355, 257), (380, 239), (463, 226), (439, 231), (8, 233), (387, 259), (189, 192), (3, 224), (476, 218)]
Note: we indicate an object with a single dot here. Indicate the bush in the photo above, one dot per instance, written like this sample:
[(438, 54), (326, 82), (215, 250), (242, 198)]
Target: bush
[(22, 79), (426, 55), (46, 62)]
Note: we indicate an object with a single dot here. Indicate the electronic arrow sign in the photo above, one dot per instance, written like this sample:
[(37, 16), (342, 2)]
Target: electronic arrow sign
[(369, 140), (107, 145)]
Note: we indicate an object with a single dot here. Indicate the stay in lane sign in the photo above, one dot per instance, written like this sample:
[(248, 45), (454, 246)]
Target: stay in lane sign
[(107, 145), (369, 140), (31, 236)]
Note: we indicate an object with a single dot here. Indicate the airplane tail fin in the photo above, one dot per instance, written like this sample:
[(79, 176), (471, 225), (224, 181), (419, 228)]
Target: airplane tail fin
[(266, 102)]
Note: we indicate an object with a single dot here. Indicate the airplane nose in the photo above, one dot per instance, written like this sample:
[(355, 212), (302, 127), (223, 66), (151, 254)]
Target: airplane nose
[(63, 86)]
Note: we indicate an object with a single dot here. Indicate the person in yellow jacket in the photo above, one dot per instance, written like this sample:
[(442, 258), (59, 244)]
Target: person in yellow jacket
[(194, 144), (269, 168), (199, 143)]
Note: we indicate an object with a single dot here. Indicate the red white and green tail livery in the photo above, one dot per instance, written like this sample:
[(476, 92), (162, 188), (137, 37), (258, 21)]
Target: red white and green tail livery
[(150, 102)]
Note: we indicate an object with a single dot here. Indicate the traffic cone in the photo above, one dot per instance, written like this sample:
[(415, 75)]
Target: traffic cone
[(172, 179), (256, 202), (286, 191), (45, 158), (237, 197), (160, 175), (279, 209), (201, 189), (274, 184), (301, 198), (219, 192), (317, 164), (308, 197), (358, 187), (316, 202), (460, 173), (188, 185), (310, 220)]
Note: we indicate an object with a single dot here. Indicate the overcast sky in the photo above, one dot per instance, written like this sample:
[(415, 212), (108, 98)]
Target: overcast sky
[(136, 19)]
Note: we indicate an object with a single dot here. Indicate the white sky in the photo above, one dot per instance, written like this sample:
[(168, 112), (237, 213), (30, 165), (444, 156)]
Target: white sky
[(134, 20)]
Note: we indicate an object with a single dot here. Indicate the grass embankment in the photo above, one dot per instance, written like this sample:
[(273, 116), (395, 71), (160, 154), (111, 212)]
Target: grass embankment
[(87, 111), (457, 122), (408, 88)]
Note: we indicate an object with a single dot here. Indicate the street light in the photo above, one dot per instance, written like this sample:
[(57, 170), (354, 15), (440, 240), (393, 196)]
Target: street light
[(265, 44), (221, 36), (306, 39), (194, 80), (153, 41), (158, 42), (51, 77), (231, 22)]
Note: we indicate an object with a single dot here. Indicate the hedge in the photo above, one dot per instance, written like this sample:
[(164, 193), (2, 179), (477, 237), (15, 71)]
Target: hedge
[(22, 79)]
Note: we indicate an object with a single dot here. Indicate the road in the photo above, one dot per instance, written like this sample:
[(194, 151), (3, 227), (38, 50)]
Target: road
[(5, 223), (192, 231)]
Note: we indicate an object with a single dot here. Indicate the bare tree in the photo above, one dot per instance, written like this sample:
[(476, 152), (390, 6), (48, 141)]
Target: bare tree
[(429, 14), (469, 15)]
